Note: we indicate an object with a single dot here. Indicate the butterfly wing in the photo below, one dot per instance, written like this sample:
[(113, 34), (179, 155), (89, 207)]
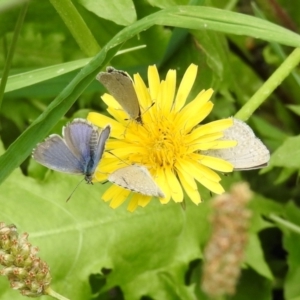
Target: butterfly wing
[(97, 145), (136, 178), (120, 86), (54, 154), (77, 135), (249, 153)]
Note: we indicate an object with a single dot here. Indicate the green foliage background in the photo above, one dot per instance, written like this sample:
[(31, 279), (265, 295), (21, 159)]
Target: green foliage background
[(95, 252)]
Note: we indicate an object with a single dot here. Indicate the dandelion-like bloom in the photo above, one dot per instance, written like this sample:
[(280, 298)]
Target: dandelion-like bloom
[(168, 142)]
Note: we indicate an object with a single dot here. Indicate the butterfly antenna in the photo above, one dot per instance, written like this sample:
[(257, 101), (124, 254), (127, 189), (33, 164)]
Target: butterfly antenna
[(74, 189), (118, 158), (148, 108)]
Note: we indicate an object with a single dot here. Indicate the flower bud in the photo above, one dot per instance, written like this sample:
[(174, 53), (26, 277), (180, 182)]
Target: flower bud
[(23, 268), (224, 252)]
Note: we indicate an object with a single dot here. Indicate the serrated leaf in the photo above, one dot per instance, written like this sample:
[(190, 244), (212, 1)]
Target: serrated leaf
[(85, 235)]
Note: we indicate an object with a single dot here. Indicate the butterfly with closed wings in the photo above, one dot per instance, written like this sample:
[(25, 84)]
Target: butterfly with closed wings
[(120, 86), (249, 153)]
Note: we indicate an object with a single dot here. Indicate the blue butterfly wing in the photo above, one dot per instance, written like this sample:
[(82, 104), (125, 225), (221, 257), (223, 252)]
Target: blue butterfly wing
[(87, 143), (77, 136), (97, 145), (54, 154)]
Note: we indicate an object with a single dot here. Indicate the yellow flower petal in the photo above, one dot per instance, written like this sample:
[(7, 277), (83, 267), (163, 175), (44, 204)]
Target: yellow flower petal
[(119, 198), (197, 138), (215, 187), (169, 91), (188, 184), (162, 182), (144, 97), (143, 200), (110, 192), (176, 190), (110, 101), (154, 82), (196, 111), (216, 163), (198, 170), (118, 115), (215, 127), (185, 87), (99, 176), (101, 121), (133, 204), (202, 146)]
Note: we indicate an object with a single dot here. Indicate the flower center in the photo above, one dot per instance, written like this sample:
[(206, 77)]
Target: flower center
[(165, 144)]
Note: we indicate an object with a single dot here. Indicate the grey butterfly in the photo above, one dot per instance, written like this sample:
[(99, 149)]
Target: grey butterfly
[(249, 153), (120, 86), (137, 179)]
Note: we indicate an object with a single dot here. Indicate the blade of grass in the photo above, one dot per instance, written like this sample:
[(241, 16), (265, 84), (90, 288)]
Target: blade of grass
[(22, 80), (77, 26), (285, 223), (7, 5), (269, 86), (207, 18), (278, 49), (12, 50)]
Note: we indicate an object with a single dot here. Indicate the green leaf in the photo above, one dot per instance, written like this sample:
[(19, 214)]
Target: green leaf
[(262, 205), (294, 108), (292, 245), (285, 174), (288, 154), (121, 12), (35, 76), (167, 284), (21, 80), (167, 3), (84, 235), (245, 290), (255, 257), (206, 18), (268, 130)]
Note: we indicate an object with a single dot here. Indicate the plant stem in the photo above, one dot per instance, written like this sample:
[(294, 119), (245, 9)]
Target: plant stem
[(285, 223), (269, 86), (77, 26), (231, 5), (55, 295), (12, 51)]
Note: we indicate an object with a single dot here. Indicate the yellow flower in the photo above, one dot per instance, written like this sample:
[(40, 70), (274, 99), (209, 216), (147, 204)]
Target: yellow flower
[(168, 143)]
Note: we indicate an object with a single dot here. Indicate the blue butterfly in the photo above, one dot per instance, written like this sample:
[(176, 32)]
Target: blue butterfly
[(77, 152)]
